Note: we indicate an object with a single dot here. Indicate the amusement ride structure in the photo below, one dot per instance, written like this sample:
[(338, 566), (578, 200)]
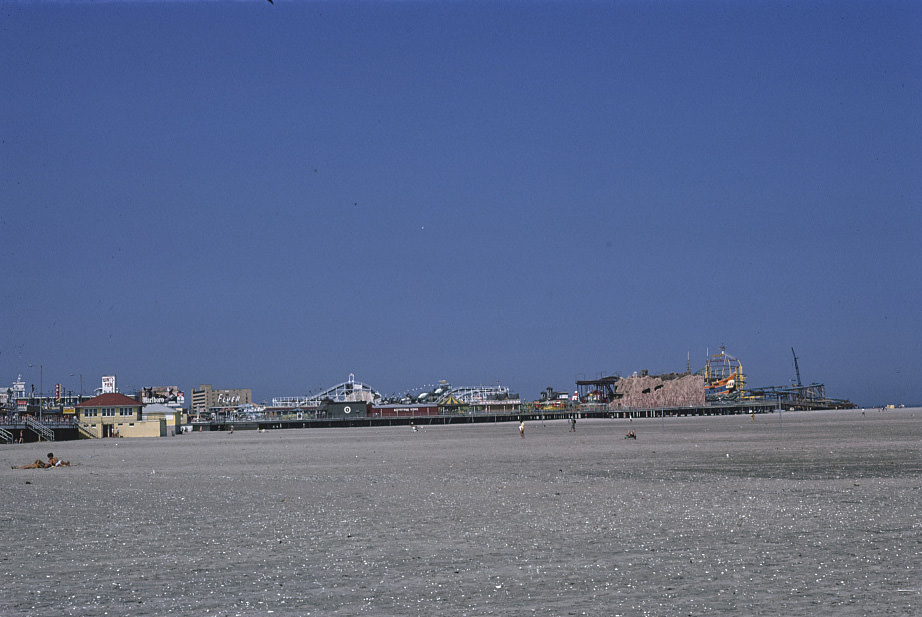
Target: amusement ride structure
[(724, 379), (352, 391)]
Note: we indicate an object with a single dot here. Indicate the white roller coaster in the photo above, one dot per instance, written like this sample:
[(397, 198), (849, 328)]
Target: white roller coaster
[(478, 394), (352, 391)]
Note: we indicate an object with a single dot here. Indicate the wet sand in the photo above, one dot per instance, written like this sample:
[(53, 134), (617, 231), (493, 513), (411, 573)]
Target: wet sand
[(816, 514)]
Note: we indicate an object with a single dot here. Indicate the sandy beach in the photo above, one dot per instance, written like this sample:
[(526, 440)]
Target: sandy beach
[(812, 513)]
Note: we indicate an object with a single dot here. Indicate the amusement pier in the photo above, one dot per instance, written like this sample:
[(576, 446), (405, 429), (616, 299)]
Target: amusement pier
[(720, 388)]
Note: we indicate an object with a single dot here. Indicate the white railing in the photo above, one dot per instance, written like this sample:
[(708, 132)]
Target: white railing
[(42, 430)]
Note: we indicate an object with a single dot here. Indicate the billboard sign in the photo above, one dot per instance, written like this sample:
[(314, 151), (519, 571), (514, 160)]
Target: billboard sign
[(165, 395), (227, 398), (108, 384)]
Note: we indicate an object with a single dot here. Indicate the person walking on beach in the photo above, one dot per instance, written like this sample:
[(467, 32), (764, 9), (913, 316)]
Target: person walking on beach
[(573, 424), (522, 429)]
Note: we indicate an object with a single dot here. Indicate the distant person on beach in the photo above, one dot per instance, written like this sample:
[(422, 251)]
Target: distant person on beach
[(631, 435), (52, 461), (522, 429), (573, 425)]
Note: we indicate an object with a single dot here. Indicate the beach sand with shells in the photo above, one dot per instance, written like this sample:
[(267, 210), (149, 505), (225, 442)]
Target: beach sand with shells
[(806, 513)]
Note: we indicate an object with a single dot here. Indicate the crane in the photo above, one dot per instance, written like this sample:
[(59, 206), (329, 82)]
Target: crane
[(796, 368)]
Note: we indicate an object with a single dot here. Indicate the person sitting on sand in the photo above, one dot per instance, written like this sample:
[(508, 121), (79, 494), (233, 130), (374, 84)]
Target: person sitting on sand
[(631, 435), (52, 461)]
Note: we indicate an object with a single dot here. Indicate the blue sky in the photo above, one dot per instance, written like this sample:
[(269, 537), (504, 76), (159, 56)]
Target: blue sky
[(275, 196)]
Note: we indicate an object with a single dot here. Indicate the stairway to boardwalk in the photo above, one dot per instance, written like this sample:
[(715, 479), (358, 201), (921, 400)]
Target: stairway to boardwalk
[(86, 433), (40, 429)]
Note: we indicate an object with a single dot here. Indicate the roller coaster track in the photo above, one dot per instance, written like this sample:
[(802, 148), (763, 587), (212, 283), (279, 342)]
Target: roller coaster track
[(346, 392), (477, 394), (354, 391)]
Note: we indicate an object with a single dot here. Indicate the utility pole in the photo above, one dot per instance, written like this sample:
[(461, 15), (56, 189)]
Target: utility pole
[(41, 388)]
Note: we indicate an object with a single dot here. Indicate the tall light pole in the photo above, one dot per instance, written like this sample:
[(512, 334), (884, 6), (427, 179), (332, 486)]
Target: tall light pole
[(81, 384), (780, 411), (41, 389)]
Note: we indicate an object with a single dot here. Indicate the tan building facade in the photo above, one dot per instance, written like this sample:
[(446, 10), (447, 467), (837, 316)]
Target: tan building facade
[(206, 399), (116, 415), (172, 418)]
